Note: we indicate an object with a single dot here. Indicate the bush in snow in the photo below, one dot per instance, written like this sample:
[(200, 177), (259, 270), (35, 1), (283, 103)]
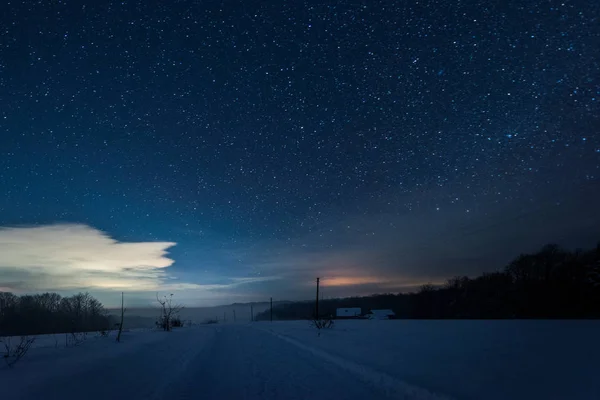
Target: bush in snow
[(322, 323), (14, 351)]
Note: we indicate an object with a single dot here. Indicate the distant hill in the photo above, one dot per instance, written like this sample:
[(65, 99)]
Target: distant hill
[(145, 317)]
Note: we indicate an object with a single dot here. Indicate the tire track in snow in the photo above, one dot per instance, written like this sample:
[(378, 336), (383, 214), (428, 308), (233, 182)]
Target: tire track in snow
[(393, 387)]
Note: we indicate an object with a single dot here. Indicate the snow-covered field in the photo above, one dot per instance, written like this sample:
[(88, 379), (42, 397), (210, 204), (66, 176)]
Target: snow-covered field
[(510, 359), (404, 359), (58, 340)]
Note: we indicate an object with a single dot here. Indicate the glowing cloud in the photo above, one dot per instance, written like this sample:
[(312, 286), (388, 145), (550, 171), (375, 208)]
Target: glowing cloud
[(76, 256)]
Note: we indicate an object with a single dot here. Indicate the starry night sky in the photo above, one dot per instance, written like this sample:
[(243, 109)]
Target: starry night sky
[(378, 144)]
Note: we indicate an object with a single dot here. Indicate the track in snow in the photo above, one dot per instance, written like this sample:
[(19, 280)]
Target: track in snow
[(221, 362)]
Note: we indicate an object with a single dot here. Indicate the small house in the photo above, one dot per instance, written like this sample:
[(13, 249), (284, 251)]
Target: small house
[(381, 314), (353, 312)]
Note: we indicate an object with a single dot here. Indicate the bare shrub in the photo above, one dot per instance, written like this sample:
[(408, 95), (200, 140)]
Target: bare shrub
[(14, 351), (322, 323)]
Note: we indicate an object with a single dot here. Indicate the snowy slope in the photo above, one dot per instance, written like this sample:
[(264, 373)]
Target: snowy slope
[(411, 360), (469, 359), (210, 362), (98, 366)]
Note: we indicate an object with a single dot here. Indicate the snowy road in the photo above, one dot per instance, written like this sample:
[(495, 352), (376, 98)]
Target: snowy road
[(409, 360), (225, 362)]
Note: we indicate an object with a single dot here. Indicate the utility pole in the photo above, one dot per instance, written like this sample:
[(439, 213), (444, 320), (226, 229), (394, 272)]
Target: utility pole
[(233, 315), (271, 309), (251, 313), (317, 304), (122, 317)]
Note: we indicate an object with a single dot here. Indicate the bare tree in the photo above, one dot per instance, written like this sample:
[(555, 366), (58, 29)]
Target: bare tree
[(168, 312)]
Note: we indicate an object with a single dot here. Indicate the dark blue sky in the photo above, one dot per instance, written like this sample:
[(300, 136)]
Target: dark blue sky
[(382, 144)]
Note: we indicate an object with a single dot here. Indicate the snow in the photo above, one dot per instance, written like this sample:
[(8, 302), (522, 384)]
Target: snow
[(357, 359), (59, 340), (468, 359)]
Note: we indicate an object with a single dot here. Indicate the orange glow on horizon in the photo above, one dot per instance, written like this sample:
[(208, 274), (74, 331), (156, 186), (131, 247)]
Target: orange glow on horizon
[(350, 280), (382, 282)]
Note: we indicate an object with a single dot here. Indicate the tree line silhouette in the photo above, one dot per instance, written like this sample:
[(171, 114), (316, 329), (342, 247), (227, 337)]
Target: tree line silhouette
[(51, 313), (551, 283)]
